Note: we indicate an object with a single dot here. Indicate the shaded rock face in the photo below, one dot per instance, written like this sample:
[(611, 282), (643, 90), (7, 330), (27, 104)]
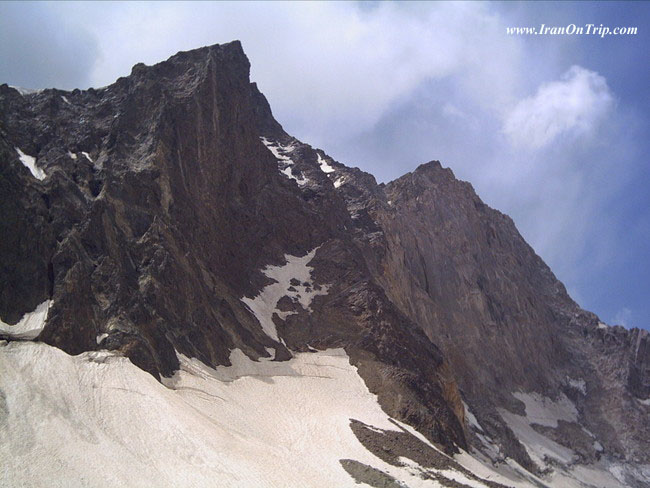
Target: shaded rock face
[(463, 273), (169, 192)]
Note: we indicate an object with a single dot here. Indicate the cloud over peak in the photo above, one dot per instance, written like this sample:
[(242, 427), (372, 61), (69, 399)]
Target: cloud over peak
[(574, 106)]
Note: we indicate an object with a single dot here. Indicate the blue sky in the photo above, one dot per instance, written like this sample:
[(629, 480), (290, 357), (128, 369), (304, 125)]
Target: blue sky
[(553, 130)]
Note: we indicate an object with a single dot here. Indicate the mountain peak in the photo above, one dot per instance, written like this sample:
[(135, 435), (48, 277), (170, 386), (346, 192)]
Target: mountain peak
[(178, 225)]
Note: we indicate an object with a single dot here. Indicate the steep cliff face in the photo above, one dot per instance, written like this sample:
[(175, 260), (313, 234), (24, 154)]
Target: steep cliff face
[(162, 204), (170, 216), (505, 323)]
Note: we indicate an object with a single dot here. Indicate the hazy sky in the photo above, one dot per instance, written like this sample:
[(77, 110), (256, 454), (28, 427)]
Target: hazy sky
[(553, 130)]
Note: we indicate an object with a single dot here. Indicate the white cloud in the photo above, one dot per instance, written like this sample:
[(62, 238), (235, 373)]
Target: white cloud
[(575, 105)]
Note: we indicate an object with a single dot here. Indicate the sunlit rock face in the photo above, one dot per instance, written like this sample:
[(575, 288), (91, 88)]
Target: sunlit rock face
[(170, 220)]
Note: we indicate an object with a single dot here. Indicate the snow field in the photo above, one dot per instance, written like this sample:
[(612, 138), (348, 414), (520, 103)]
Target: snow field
[(97, 420)]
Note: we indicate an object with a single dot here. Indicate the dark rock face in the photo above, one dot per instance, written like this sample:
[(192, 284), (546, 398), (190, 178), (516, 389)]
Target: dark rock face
[(148, 244), (462, 272), (167, 194)]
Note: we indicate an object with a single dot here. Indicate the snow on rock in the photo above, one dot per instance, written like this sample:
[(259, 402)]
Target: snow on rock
[(30, 163), (87, 156), (581, 476), (510, 473), (278, 150), (100, 338), (288, 172), (72, 155), (65, 100), (97, 420), (542, 411), (475, 463), (285, 163), (25, 91), (324, 165), (339, 182), (29, 326), (501, 473), (264, 305)]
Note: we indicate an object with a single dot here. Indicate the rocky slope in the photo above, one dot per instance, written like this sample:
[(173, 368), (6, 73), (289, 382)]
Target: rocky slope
[(170, 216)]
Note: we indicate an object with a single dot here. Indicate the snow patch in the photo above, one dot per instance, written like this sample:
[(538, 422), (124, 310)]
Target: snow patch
[(65, 100), (542, 411), (324, 165), (471, 418), (87, 156), (501, 473), (510, 473), (285, 163), (264, 305), (101, 337), (459, 477), (492, 450), (544, 451), (30, 325), (339, 182), (578, 384), (288, 172), (580, 476), (72, 155), (271, 351), (30, 163)]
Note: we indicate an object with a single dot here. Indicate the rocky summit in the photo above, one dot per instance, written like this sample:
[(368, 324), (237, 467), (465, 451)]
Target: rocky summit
[(193, 297)]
